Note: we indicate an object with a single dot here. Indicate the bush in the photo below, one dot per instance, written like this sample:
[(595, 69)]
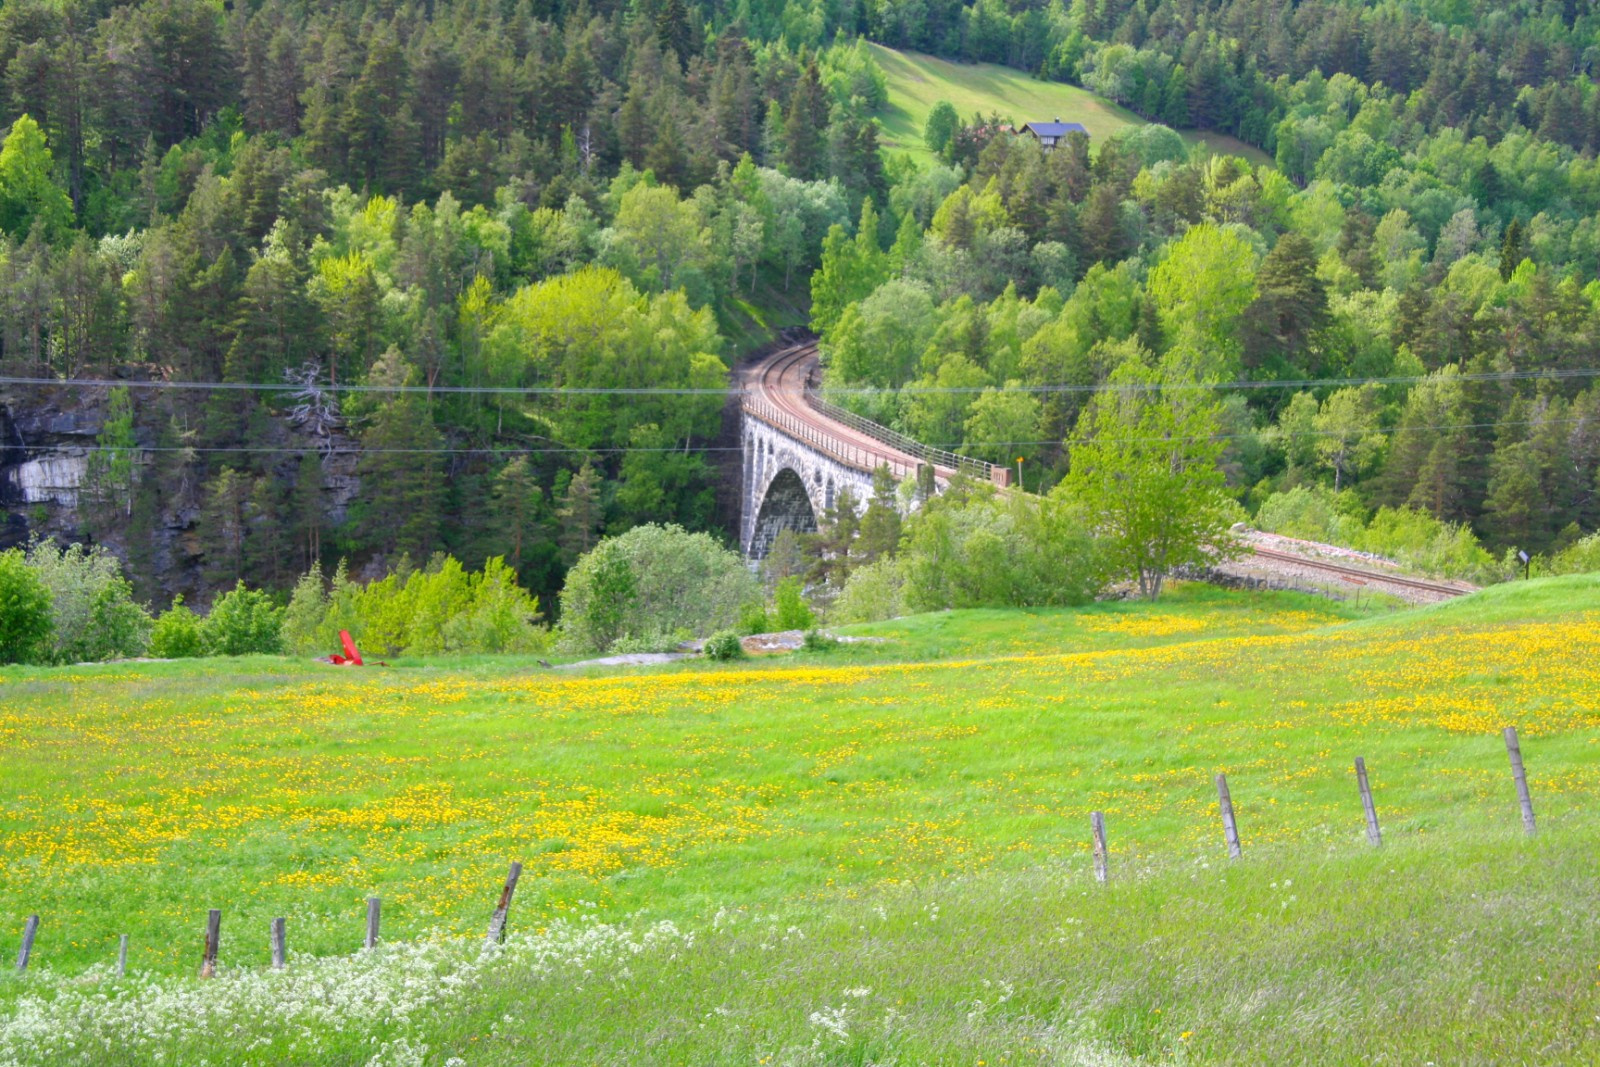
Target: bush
[(242, 622), (1411, 538), (1313, 513), (724, 645), (651, 582), (176, 634), (1419, 540), (976, 549), (499, 616), (95, 616), (307, 611), (26, 624), (118, 627), (1580, 557), (628, 644), (442, 608), (790, 606), (753, 618), (871, 594), (817, 641)]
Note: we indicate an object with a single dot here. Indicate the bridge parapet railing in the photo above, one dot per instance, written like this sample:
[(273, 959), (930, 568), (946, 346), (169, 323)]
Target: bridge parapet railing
[(849, 454), (976, 468)]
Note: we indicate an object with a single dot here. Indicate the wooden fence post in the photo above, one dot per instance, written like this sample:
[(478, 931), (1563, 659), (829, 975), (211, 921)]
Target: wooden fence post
[(497, 922), (1097, 821), (208, 962), (280, 944), (1523, 797), (374, 905), (1374, 835), (29, 930), (122, 956), (1229, 828)]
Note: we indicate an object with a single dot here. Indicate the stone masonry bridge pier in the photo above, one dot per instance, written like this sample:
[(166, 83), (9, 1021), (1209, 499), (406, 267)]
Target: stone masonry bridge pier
[(800, 452)]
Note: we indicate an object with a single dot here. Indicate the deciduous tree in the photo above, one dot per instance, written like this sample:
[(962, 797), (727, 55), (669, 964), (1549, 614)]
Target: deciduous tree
[(1144, 467)]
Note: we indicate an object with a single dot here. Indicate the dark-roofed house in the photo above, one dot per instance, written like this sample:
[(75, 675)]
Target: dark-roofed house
[(1048, 133)]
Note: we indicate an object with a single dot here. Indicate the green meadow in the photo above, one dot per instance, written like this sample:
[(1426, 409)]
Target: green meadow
[(917, 82), (875, 853)]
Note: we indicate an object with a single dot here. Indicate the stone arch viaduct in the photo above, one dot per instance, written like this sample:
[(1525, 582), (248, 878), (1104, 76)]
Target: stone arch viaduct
[(799, 452)]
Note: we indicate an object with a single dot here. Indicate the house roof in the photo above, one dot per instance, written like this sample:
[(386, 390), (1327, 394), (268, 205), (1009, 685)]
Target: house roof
[(1055, 129)]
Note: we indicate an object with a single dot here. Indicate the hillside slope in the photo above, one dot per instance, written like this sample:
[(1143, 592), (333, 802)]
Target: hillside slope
[(875, 854), (969, 740), (917, 82)]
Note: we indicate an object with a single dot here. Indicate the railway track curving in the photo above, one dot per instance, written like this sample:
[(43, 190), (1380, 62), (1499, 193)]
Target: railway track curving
[(777, 391)]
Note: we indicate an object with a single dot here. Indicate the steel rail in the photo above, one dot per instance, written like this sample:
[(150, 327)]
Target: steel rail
[(786, 408), (1364, 575)]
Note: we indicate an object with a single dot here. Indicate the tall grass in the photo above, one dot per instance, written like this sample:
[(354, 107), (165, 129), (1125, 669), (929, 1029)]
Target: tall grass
[(1473, 947)]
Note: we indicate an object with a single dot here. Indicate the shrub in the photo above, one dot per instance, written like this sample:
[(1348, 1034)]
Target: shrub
[(790, 606), (92, 604), (117, 627), (1419, 540), (651, 642), (978, 549), (176, 634), (753, 618), (1412, 538), (344, 610), (1580, 557), (303, 618), (442, 608), (242, 622), (817, 641), (724, 645), (25, 620), (871, 594), (598, 600), (651, 582), (499, 616), (1313, 513)]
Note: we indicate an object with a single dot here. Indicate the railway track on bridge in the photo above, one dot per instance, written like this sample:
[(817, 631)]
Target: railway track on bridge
[(780, 392), (775, 391)]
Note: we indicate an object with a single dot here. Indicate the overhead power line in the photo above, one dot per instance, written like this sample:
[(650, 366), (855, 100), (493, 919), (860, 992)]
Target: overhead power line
[(1578, 373), (626, 449)]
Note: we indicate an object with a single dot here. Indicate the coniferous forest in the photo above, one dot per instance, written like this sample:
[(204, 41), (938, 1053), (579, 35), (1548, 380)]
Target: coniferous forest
[(305, 206)]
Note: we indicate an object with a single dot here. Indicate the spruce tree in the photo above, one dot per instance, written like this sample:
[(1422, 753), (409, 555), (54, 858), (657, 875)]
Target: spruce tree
[(515, 506), (1511, 249), (402, 472), (581, 513), (1175, 100), (832, 546), (307, 508), (674, 31), (110, 475), (880, 525), (223, 526), (805, 125)]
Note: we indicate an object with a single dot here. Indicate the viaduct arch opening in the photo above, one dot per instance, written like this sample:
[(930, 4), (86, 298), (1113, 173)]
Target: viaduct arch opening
[(786, 506)]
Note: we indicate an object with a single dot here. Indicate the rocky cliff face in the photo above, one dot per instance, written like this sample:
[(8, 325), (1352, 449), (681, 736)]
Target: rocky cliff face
[(47, 434)]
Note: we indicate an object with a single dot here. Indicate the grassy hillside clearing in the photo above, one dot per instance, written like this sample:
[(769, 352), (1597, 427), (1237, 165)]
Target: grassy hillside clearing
[(909, 820), (917, 82)]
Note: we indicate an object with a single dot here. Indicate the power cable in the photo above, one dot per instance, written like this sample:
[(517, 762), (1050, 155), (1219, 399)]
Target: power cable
[(1578, 373), (627, 449)]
